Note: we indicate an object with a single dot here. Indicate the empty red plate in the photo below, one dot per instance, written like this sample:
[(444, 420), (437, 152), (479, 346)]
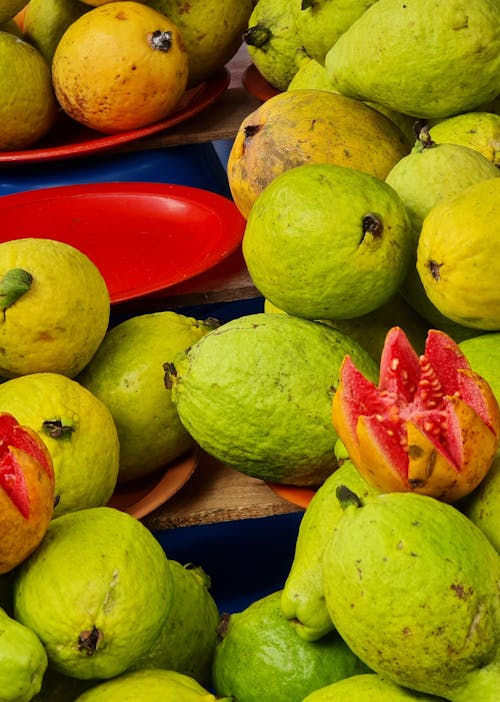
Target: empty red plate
[(143, 237)]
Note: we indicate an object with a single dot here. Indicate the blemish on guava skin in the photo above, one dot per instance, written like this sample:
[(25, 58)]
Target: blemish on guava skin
[(249, 131), (88, 641), (161, 41), (461, 592), (434, 268), (372, 224)]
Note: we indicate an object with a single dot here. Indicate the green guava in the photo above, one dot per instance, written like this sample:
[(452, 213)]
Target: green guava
[(477, 130), (45, 21), (327, 242), (429, 174), (96, 592), (211, 31), (411, 585), (272, 40), (427, 59), (303, 597), (126, 374), (260, 657), (256, 393), (321, 22), (457, 256), (152, 685), (483, 353), (367, 686), (187, 640), (23, 661)]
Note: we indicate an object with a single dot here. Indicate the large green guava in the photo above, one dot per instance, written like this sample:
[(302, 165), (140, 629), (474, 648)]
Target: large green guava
[(23, 661), (325, 241), (256, 393), (96, 592), (427, 59), (260, 657), (303, 597), (411, 585), (188, 637), (429, 174)]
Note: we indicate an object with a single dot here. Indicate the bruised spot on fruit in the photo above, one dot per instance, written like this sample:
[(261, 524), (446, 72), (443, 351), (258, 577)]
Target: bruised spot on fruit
[(170, 372), (372, 224), (161, 41), (88, 641), (250, 131), (461, 592), (435, 269), (415, 451), (57, 429)]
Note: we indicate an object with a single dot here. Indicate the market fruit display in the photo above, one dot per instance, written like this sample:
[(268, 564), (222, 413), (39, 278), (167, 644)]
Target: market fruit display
[(426, 72), (325, 241), (439, 602), (256, 393), (120, 66), (126, 374), (297, 127), (78, 431), (26, 491), (153, 685), (23, 661), (303, 598), (457, 256), (99, 606), (211, 32), (430, 426), (259, 656), (55, 306), (28, 109)]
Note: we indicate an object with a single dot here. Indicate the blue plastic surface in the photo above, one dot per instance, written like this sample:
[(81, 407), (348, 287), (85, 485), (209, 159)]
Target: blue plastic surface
[(197, 165), (245, 559)]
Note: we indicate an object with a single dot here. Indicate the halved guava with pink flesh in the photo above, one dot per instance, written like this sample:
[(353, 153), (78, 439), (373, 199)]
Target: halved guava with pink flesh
[(430, 426)]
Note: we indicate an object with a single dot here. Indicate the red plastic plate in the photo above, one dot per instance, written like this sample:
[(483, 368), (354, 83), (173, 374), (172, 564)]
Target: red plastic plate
[(257, 85), (300, 496), (69, 139), (143, 237)]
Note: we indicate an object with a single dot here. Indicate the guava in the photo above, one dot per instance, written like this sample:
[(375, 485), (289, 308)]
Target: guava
[(26, 492), (367, 686), (430, 60), (483, 354), (259, 656), (303, 597), (45, 21), (477, 130), (96, 592), (429, 174), (411, 585), (457, 257), (303, 126), (430, 426), (482, 506), (23, 661), (187, 640), (321, 22), (272, 40), (126, 374), (256, 393), (325, 241), (211, 31), (151, 685)]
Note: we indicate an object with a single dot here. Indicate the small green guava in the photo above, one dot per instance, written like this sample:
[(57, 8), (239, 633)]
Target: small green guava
[(482, 506), (367, 686), (260, 657), (411, 585), (96, 592), (477, 130), (325, 241)]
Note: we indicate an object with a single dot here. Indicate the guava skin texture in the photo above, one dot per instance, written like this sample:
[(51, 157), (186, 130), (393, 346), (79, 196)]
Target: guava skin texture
[(412, 586), (427, 58)]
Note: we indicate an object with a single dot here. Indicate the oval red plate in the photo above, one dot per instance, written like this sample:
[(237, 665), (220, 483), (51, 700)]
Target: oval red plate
[(299, 496), (255, 83), (68, 138), (143, 237)]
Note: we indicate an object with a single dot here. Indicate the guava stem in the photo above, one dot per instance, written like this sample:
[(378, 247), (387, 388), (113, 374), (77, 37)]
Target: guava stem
[(257, 36), (483, 685), (161, 41), (347, 497), (307, 4), (14, 285)]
